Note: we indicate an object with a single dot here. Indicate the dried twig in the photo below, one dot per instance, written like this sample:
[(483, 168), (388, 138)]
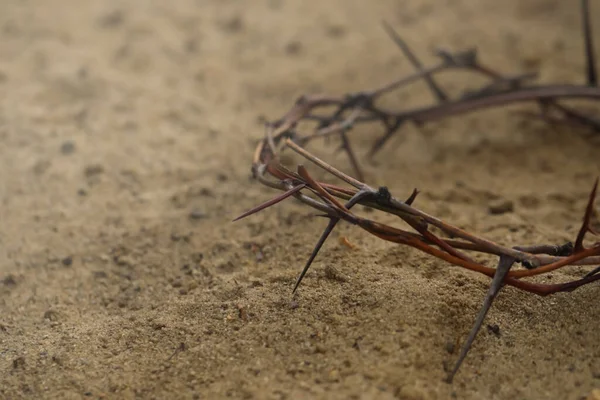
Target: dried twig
[(455, 244)]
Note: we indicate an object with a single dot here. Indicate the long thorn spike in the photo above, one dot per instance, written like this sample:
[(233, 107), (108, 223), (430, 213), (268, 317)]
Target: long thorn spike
[(590, 58), (332, 223), (353, 160), (504, 265), (585, 225), (437, 91), (379, 143), (271, 202)]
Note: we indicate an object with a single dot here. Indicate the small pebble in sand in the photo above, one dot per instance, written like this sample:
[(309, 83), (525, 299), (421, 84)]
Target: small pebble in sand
[(93, 170), (495, 329), (197, 214), (501, 207), (67, 147), (333, 274)]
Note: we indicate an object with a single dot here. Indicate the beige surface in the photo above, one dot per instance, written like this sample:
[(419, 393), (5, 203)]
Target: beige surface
[(120, 118)]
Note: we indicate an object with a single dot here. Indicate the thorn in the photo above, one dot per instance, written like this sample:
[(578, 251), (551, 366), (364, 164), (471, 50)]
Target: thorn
[(504, 265), (379, 143), (346, 146), (437, 91), (590, 59), (271, 202), (593, 272), (323, 216), (585, 225), (412, 197), (578, 117), (332, 223)]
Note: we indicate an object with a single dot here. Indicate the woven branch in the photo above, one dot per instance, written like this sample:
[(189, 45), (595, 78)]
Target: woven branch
[(336, 115)]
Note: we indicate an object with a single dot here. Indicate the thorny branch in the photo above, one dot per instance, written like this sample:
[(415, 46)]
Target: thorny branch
[(361, 108)]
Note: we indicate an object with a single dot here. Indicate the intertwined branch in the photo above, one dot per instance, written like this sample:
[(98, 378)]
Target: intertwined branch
[(336, 115)]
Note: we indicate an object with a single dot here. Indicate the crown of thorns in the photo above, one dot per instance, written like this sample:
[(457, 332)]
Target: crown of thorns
[(336, 115)]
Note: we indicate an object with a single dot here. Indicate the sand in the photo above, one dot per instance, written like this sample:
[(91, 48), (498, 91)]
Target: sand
[(127, 130)]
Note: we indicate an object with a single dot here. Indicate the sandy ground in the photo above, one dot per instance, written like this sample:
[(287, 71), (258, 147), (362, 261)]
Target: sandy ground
[(126, 134)]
